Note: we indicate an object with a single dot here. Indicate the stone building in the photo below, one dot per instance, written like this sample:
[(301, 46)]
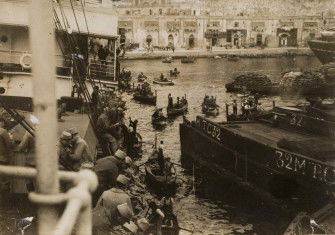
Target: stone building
[(221, 23)]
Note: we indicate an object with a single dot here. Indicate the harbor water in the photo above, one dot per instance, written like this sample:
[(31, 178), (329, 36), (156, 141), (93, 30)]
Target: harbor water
[(209, 206)]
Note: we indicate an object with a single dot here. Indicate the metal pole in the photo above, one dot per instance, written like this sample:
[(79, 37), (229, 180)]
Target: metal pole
[(115, 64), (42, 38)]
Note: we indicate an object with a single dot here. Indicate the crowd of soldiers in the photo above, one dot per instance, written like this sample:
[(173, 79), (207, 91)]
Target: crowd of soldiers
[(249, 105), (179, 103), (144, 89), (210, 101), (121, 205), (125, 80)]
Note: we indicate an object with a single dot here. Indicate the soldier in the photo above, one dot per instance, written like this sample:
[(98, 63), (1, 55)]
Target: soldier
[(113, 208), (64, 151), (6, 148), (235, 107), (80, 154), (108, 124)]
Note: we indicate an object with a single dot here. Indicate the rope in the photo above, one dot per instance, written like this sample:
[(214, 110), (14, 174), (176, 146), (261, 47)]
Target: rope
[(75, 17), (81, 84), (82, 6)]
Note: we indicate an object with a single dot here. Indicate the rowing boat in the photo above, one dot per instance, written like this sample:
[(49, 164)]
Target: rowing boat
[(145, 99), (210, 110), (177, 109), (166, 83)]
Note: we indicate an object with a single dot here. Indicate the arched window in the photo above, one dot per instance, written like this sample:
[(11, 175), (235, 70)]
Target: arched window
[(149, 39), (170, 40), (191, 41)]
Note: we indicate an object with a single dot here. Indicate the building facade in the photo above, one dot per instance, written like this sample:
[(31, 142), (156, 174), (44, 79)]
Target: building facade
[(221, 23)]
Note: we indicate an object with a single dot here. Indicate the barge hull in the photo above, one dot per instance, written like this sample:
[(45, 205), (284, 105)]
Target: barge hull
[(270, 184)]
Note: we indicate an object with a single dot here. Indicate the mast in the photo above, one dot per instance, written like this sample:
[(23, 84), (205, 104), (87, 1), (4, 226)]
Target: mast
[(42, 39)]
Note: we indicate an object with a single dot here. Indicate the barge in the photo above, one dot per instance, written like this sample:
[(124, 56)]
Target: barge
[(285, 157), (324, 47)]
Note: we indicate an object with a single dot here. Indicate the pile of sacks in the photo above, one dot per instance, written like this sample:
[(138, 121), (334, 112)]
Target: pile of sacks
[(306, 79), (252, 80)]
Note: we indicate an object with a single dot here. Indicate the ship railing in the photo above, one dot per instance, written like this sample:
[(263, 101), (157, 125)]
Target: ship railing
[(10, 61), (102, 69), (77, 213)]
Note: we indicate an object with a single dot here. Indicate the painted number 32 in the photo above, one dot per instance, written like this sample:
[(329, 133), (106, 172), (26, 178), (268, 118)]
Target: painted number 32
[(296, 120)]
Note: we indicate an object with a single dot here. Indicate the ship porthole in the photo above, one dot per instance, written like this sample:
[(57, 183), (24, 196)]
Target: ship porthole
[(25, 61)]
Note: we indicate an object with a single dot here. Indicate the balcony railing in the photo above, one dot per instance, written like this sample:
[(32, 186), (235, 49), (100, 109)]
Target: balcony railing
[(97, 69), (101, 69)]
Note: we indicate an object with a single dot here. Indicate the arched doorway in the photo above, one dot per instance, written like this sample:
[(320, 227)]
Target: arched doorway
[(283, 39), (123, 39), (191, 41), (214, 41), (259, 40), (149, 39), (170, 41)]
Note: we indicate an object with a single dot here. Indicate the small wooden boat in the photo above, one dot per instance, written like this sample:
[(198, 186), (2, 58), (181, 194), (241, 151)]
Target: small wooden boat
[(177, 109), (165, 185), (210, 110), (159, 122), (188, 60), (233, 58), (145, 99), (167, 60), (164, 83)]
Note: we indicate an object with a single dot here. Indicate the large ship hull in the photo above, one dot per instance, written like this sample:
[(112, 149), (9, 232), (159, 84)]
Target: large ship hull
[(324, 50), (253, 165)]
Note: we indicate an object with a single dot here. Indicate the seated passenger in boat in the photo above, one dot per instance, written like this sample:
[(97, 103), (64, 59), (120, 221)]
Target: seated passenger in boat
[(158, 113), (163, 78), (141, 75), (161, 158), (183, 100), (169, 167), (206, 99), (170, 101)]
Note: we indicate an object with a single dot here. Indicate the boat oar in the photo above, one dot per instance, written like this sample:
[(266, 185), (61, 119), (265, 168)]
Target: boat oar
[(155, 159), (185, 229), (146, 142)]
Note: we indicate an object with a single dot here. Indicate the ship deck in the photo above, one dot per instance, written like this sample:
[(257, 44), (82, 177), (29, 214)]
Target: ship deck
[(320, 148)]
